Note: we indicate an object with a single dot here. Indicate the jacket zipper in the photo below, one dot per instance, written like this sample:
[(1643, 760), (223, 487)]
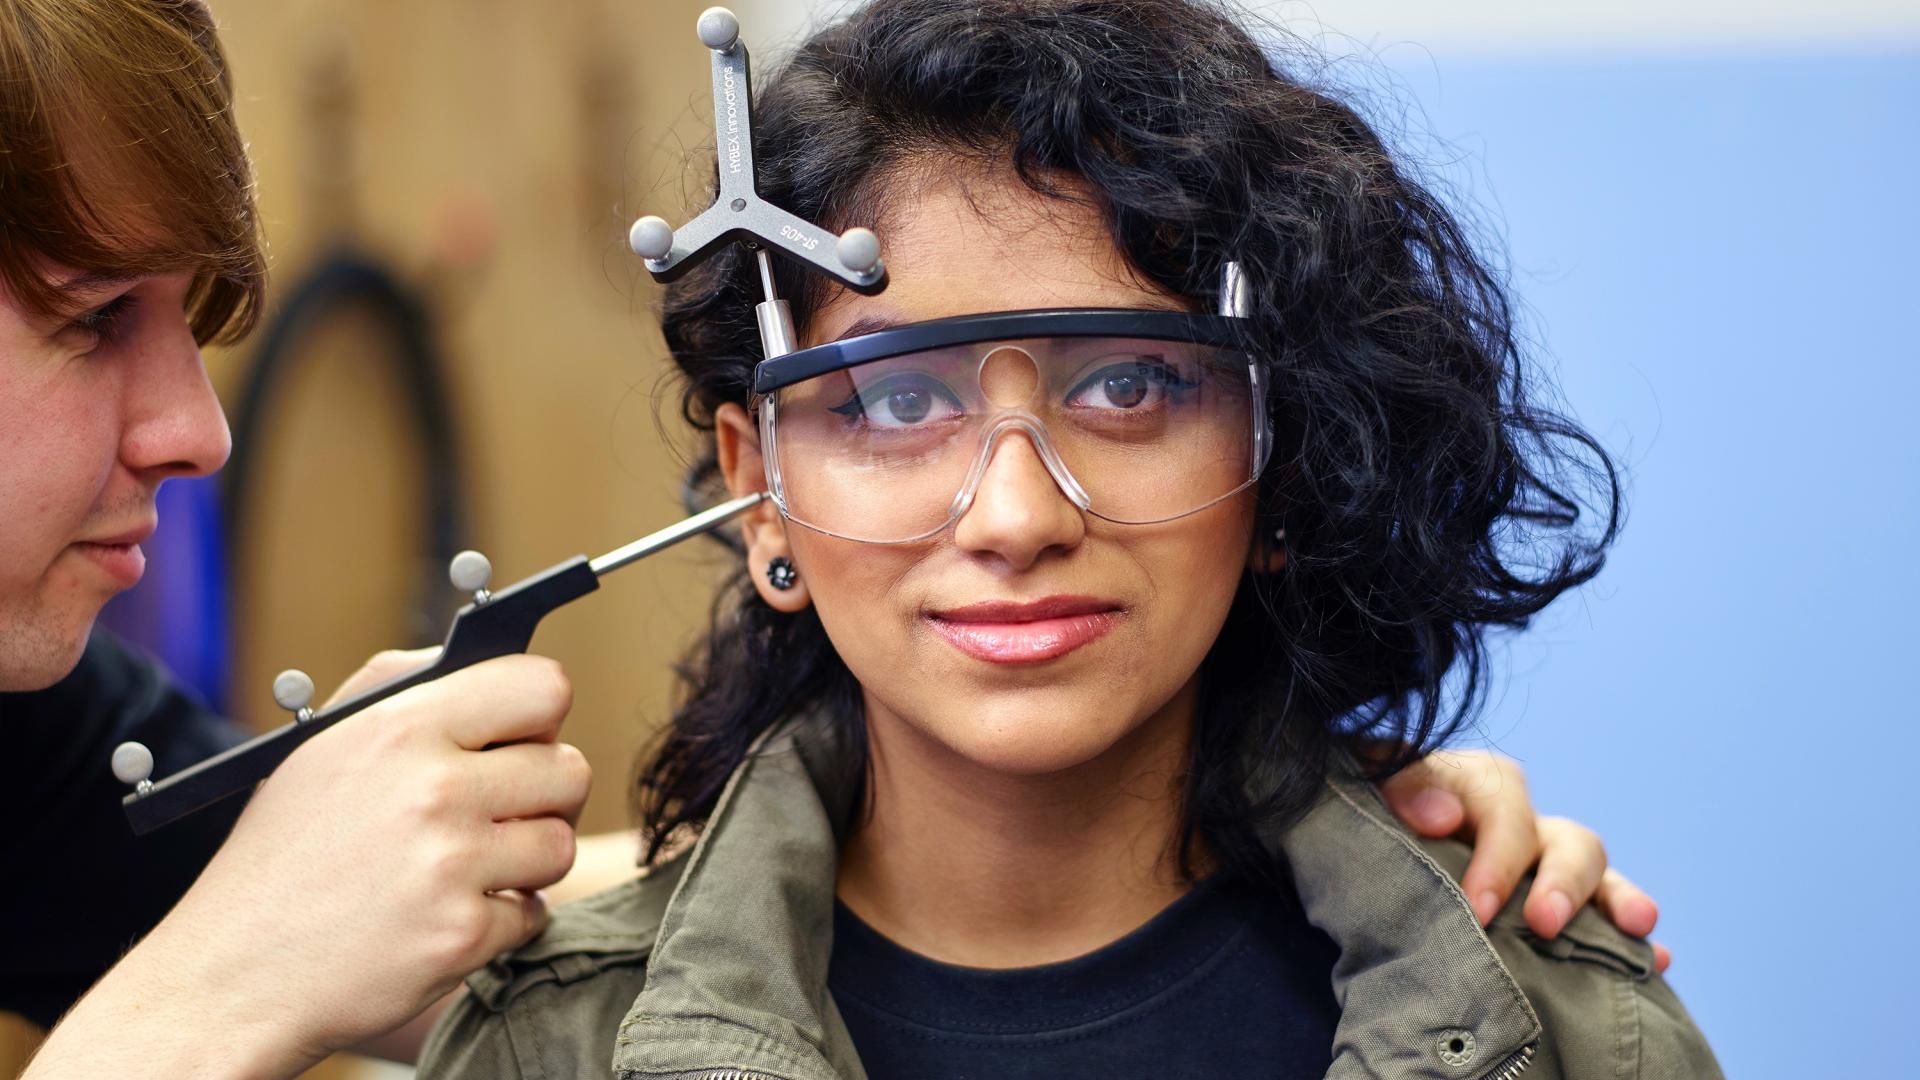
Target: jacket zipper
[(712, 1074), (1514, 1064)]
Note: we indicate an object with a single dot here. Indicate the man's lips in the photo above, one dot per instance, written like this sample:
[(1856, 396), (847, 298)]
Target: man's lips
[(1014, 632), (119, 554), (138, 534)]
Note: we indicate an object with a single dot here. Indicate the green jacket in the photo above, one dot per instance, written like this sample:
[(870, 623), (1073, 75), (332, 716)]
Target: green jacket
[(714, 965)]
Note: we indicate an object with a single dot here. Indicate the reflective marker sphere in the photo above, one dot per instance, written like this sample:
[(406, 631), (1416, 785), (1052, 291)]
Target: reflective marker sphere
[(859, 250), (293, 690), (651, 237), (718, 28), (470, 571), (132, 762)]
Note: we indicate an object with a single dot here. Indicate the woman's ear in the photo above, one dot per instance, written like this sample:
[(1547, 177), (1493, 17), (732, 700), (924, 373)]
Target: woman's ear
[(769, 556), (1268, 553)]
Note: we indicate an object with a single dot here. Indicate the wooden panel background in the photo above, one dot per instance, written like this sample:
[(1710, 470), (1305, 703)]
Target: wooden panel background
[(493, 151)]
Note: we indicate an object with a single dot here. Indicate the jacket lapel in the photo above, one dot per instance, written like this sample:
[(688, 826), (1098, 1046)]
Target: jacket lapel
[(1415, 971), (738, 977)]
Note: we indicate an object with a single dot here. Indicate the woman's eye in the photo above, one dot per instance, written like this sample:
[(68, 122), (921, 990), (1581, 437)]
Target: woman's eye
[(901, 404), (1126, 391), (1135, 386)]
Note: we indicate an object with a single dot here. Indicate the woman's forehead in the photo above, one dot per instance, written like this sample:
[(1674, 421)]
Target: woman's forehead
[(973, 240)]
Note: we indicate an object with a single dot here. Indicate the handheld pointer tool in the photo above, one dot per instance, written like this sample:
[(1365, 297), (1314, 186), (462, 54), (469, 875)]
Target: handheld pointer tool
[(496, 623)]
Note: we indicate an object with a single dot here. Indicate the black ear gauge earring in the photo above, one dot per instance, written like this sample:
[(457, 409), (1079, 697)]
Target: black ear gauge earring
[(781, 574)]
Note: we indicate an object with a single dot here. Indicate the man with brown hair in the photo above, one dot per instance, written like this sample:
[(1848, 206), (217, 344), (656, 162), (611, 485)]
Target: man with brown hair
[(392, 854)]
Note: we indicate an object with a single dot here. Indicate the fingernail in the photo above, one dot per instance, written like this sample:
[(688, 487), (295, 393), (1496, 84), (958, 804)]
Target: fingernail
[(1485, 906), (1562, 909)]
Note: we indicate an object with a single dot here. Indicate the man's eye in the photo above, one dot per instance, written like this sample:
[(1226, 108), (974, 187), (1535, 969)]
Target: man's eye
[(104, 321)]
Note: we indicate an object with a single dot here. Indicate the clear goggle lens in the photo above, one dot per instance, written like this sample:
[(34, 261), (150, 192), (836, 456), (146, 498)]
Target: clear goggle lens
[(1132, 430)]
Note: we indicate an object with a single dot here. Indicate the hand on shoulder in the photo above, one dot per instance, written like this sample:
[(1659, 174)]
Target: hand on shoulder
[(1482, 798)]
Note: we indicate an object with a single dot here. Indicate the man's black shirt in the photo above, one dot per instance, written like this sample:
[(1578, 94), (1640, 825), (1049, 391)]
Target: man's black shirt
[(77, 888)]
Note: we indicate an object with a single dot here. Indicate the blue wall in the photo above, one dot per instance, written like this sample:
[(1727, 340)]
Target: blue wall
[(1717, 257)]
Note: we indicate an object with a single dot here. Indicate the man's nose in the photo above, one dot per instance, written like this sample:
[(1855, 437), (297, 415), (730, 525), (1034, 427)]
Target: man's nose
[(1018, 512), (175, 426)]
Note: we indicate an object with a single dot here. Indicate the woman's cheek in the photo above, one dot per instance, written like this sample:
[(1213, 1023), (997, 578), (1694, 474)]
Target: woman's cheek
[(1195, 575), (854, 589)]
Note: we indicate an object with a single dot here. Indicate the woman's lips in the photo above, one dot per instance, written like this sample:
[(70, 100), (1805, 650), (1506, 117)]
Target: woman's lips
[(1007, 633)]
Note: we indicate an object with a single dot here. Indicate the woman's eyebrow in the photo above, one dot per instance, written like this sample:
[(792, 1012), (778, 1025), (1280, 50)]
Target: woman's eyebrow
[(871, 324)]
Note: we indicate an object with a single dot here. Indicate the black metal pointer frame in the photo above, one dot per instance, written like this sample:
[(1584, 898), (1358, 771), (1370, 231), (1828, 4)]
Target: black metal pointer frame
[(499, 624)]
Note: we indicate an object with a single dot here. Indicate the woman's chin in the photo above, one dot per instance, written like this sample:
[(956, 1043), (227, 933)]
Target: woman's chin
[(1030, 739)]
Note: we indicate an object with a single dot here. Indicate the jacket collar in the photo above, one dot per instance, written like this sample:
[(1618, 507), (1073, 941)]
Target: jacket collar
[(738, 976)]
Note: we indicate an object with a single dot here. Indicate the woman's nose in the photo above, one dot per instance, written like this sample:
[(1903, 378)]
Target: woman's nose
[(1018, 512)]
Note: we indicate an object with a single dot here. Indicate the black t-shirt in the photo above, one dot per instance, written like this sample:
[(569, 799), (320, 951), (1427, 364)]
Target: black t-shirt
[(1227, 981), (77, 888)]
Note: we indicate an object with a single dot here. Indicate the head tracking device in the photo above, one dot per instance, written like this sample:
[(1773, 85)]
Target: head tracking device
[(885, 437), (882, 407)]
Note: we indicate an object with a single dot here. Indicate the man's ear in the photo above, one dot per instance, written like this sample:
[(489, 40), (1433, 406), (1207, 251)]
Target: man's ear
[(737, 441)]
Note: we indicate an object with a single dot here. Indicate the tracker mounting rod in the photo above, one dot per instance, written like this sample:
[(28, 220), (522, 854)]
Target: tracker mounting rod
[(740, 214), (1236, 298)]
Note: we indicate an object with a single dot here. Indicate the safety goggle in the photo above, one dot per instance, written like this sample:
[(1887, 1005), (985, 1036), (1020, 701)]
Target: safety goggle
[(1138, 416)]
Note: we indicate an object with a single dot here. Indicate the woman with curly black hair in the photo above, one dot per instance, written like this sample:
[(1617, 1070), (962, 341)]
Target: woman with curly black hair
[(1186, 462)]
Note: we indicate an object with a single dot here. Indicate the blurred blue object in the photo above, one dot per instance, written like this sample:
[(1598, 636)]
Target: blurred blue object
[(179, 611), (1716, 256)]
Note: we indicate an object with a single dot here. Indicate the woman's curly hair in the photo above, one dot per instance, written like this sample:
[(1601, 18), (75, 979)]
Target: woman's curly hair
[(1424, 499)]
